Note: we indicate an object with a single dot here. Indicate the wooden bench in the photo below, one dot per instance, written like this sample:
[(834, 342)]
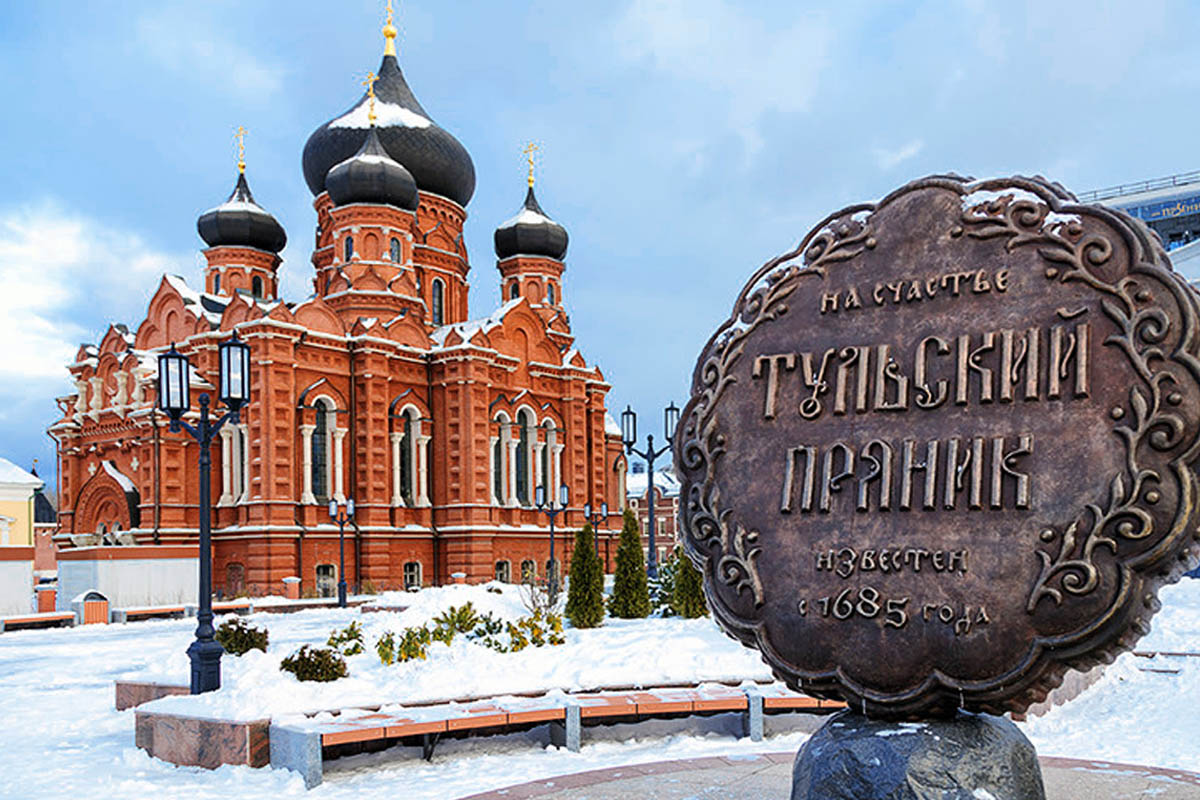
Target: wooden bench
[(118, 615), (304, 745), (45, 619)]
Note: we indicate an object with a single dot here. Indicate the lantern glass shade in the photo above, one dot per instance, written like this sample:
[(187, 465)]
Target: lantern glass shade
[(629, 426), (235, 372), (173, 384), (604, 510), (350, 507), (539, 496), (563, 495), (333, 509), (670, 421), (587, 509)]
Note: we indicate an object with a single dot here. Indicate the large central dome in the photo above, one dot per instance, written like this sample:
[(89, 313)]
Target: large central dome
[(437, 161)]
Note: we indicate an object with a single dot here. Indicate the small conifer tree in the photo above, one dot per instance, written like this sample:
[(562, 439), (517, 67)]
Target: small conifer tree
[(585, 592), (631, 593), (687, 590)]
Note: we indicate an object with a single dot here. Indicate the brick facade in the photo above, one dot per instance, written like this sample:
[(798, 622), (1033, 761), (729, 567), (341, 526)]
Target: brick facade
[(377, 388)]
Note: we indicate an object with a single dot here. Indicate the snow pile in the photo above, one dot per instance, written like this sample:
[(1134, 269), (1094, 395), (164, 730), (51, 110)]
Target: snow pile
[(526, 216), (620, 653)]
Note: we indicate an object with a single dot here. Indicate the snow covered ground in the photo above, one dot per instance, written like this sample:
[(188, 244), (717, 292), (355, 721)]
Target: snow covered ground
[(61, 737)]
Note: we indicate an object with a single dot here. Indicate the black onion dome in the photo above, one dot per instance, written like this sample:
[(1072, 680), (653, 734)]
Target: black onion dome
[(372, 176), (437, 161), (242, 222), (531, 233)]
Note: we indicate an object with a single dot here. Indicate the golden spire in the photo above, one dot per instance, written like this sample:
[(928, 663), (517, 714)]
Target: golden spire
[(370, 84), (529, 150), (389, 33), (240, 135)]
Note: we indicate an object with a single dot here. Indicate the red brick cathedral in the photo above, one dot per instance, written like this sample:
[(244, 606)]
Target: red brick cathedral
[(379, 387)]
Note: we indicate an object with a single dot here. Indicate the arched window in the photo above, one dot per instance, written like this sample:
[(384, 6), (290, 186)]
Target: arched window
[(349, 249), (550, 293), (412, 575), (524, 427), (320, 454), (256, 286), (528, 571), (504, 571), (216, 284), (439, 290), (407, 443), (394, 250), (514, 291)]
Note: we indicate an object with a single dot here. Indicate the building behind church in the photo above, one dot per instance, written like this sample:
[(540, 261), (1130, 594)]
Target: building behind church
[(379, 387)]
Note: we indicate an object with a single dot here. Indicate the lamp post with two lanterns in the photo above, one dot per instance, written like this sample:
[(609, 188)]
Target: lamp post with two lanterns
[(341, 520), (547, 507), (594, 520), (174, 398), (629, 437)]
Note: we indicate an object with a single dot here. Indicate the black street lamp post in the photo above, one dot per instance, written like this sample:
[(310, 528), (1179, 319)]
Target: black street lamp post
[(629, 436), (341, 520), (552, 511), (595, 520), (174, 398)]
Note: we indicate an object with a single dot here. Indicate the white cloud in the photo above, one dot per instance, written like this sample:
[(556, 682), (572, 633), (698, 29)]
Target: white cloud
[(750, 66), (184, 43), (888, 158), (66, 277)]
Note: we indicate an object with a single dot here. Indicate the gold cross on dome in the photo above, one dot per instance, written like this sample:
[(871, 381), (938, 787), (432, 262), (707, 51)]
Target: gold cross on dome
[(389, 33), (529, 150), (370, 84), (240, 135)]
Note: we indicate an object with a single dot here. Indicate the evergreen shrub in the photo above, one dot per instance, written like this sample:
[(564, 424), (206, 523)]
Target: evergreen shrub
[(687, 591), (239, 638), (315, 664), (631, 593), (585, 590), (348, 641)]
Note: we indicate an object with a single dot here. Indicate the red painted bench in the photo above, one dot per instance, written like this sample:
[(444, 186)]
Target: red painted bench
[(48, 619), (303, 745)]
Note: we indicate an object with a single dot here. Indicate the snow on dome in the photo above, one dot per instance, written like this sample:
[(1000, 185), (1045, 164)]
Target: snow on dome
[(525, 217), (386, 115)]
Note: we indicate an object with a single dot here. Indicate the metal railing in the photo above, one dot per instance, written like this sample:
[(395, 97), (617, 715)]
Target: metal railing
[(1181, 179)]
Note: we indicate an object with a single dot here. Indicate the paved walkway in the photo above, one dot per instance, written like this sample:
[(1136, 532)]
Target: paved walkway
[(768, 777)]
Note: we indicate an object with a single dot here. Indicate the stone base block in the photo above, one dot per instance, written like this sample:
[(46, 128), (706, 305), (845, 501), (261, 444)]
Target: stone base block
[(967, 757), (130, 694), (198, 742)]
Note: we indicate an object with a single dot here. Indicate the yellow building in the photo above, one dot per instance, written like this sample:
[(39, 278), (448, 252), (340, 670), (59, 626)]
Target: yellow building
[(17, 488)]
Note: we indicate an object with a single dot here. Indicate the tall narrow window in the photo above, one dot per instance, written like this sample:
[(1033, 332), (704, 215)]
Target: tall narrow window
[(256, 287), (514, 291), (523, 458), (216, 284), (546, 481), (503, 571), (407, 442), (349, 249), (439, 290), (528, 571), (395, 250), (498, 469), (320, 436), (550, 293)]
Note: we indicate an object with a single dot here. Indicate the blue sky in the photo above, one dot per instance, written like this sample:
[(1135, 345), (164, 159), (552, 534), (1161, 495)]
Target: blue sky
[(686, 141)]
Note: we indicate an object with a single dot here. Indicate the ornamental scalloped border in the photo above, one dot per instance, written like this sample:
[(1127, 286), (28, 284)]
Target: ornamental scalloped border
[(725, 551)]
